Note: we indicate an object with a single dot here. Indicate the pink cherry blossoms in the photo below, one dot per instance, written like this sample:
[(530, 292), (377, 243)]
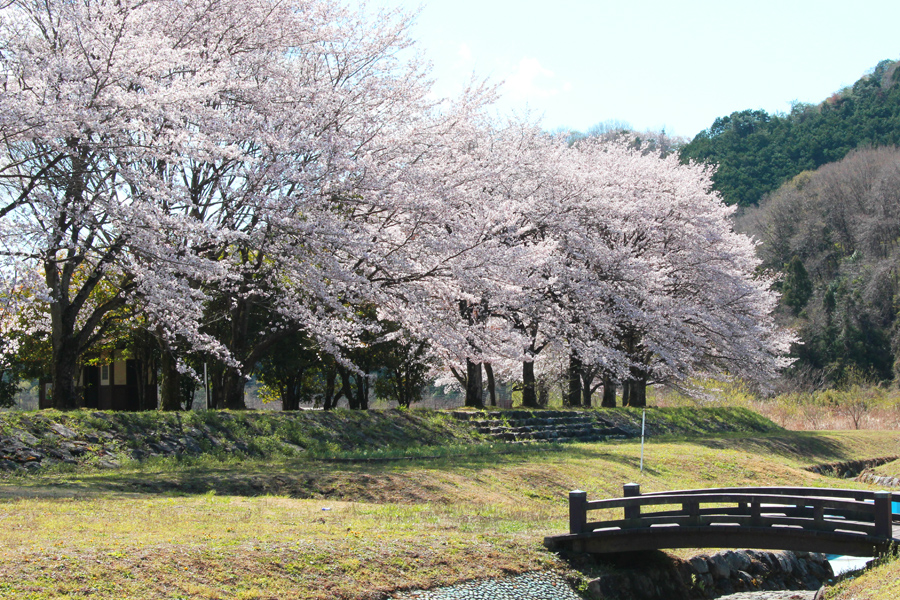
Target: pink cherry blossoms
[(225, 174)]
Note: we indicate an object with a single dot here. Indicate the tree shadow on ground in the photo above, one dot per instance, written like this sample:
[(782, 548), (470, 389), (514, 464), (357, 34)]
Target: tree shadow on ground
[(796, 445)]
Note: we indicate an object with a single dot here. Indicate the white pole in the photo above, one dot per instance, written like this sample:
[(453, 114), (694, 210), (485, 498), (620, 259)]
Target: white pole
[(643, 427), (205, 386)]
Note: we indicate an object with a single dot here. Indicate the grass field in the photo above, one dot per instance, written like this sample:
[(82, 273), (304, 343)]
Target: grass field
[(310, 528)]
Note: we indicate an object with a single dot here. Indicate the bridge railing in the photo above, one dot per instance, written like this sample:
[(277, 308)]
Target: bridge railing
[(817, 509)]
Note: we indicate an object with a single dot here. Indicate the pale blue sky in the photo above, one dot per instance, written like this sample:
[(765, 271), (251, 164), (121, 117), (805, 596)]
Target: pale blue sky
[(652, 63)]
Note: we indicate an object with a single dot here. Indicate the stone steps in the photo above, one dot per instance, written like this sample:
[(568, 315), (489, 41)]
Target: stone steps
[(542, 426)]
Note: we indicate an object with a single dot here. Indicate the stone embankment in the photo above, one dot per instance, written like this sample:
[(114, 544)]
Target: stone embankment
[(32, 440), (869, 476), (736, 575), (39, 442), (715, 575), (850, 468)]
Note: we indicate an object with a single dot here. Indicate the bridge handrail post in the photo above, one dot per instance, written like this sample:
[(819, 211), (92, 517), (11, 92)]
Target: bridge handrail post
[(577, 511), (692, 510), (818, 514), (631, 490), (883, 515), (755, 513)]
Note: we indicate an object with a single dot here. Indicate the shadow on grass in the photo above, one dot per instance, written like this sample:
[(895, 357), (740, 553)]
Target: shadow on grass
[(800, 446), (377, 482), (301, 478)]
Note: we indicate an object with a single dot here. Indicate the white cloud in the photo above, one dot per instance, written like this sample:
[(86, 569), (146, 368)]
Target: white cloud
[(531, 80)]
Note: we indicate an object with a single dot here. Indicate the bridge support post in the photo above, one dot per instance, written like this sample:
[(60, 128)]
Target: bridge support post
[(577, 511), (883, 515), (630, 491)]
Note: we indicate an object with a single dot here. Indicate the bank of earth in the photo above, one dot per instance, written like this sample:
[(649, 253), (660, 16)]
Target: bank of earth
[(346, 505)]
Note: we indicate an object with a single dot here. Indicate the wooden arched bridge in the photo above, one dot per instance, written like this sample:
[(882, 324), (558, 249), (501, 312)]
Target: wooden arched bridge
[(851, 522)]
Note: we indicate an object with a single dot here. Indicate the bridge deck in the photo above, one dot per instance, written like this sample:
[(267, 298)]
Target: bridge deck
[(851, 522)]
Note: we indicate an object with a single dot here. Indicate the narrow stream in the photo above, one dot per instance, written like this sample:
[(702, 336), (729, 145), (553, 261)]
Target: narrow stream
[(842, 564)]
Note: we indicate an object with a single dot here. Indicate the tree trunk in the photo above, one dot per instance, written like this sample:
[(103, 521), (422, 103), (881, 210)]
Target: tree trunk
[(474, 385), (492, 386), (330, 400), (347, 389), (216, 373), (609, 393), (169, 383), (638, 396), (290, 392), (543, 394), (233, 390), (626, 393), (587, 378), (362, 392), (529, 385), (64, 371), (574, 396)]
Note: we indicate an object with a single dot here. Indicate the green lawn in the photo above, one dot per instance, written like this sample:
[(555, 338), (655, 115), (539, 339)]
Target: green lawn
[(308, 528)]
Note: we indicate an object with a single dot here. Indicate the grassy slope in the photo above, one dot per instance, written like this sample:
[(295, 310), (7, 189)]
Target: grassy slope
[(339, 433), (891, 469), (879, 583), (169, 529)]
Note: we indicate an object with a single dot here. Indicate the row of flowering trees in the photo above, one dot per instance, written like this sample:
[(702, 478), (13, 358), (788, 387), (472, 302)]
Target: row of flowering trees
[(229, 175)]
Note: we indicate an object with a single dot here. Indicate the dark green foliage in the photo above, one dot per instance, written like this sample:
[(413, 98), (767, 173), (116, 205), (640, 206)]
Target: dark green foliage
[(796, 288), (757, 152), (403, 377), (8, 388), (294, 370)]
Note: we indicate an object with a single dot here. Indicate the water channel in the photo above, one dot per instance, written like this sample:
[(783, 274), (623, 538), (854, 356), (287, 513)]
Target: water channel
[(842, 564)]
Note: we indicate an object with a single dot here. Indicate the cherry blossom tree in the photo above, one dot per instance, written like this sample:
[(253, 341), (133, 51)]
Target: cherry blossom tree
[(690, 300), (241, 172)]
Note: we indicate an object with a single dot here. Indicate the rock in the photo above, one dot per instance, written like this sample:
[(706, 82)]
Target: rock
[(799, 565), (699, 564), (63, 430), (61, 454), (162, 447), (784, 561), (747, 581), (108, 463), (28, 455), (9, 445), (293, 448), (718, 566), (190, 445), (74, 448), (25, 437), (8, 465), (737, 561), (138, 454)]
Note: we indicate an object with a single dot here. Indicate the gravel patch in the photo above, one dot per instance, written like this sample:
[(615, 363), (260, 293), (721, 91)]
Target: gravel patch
[(531, 586)]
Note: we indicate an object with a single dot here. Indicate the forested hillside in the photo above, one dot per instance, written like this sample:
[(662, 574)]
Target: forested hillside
[(756, 152), (833, 234)]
